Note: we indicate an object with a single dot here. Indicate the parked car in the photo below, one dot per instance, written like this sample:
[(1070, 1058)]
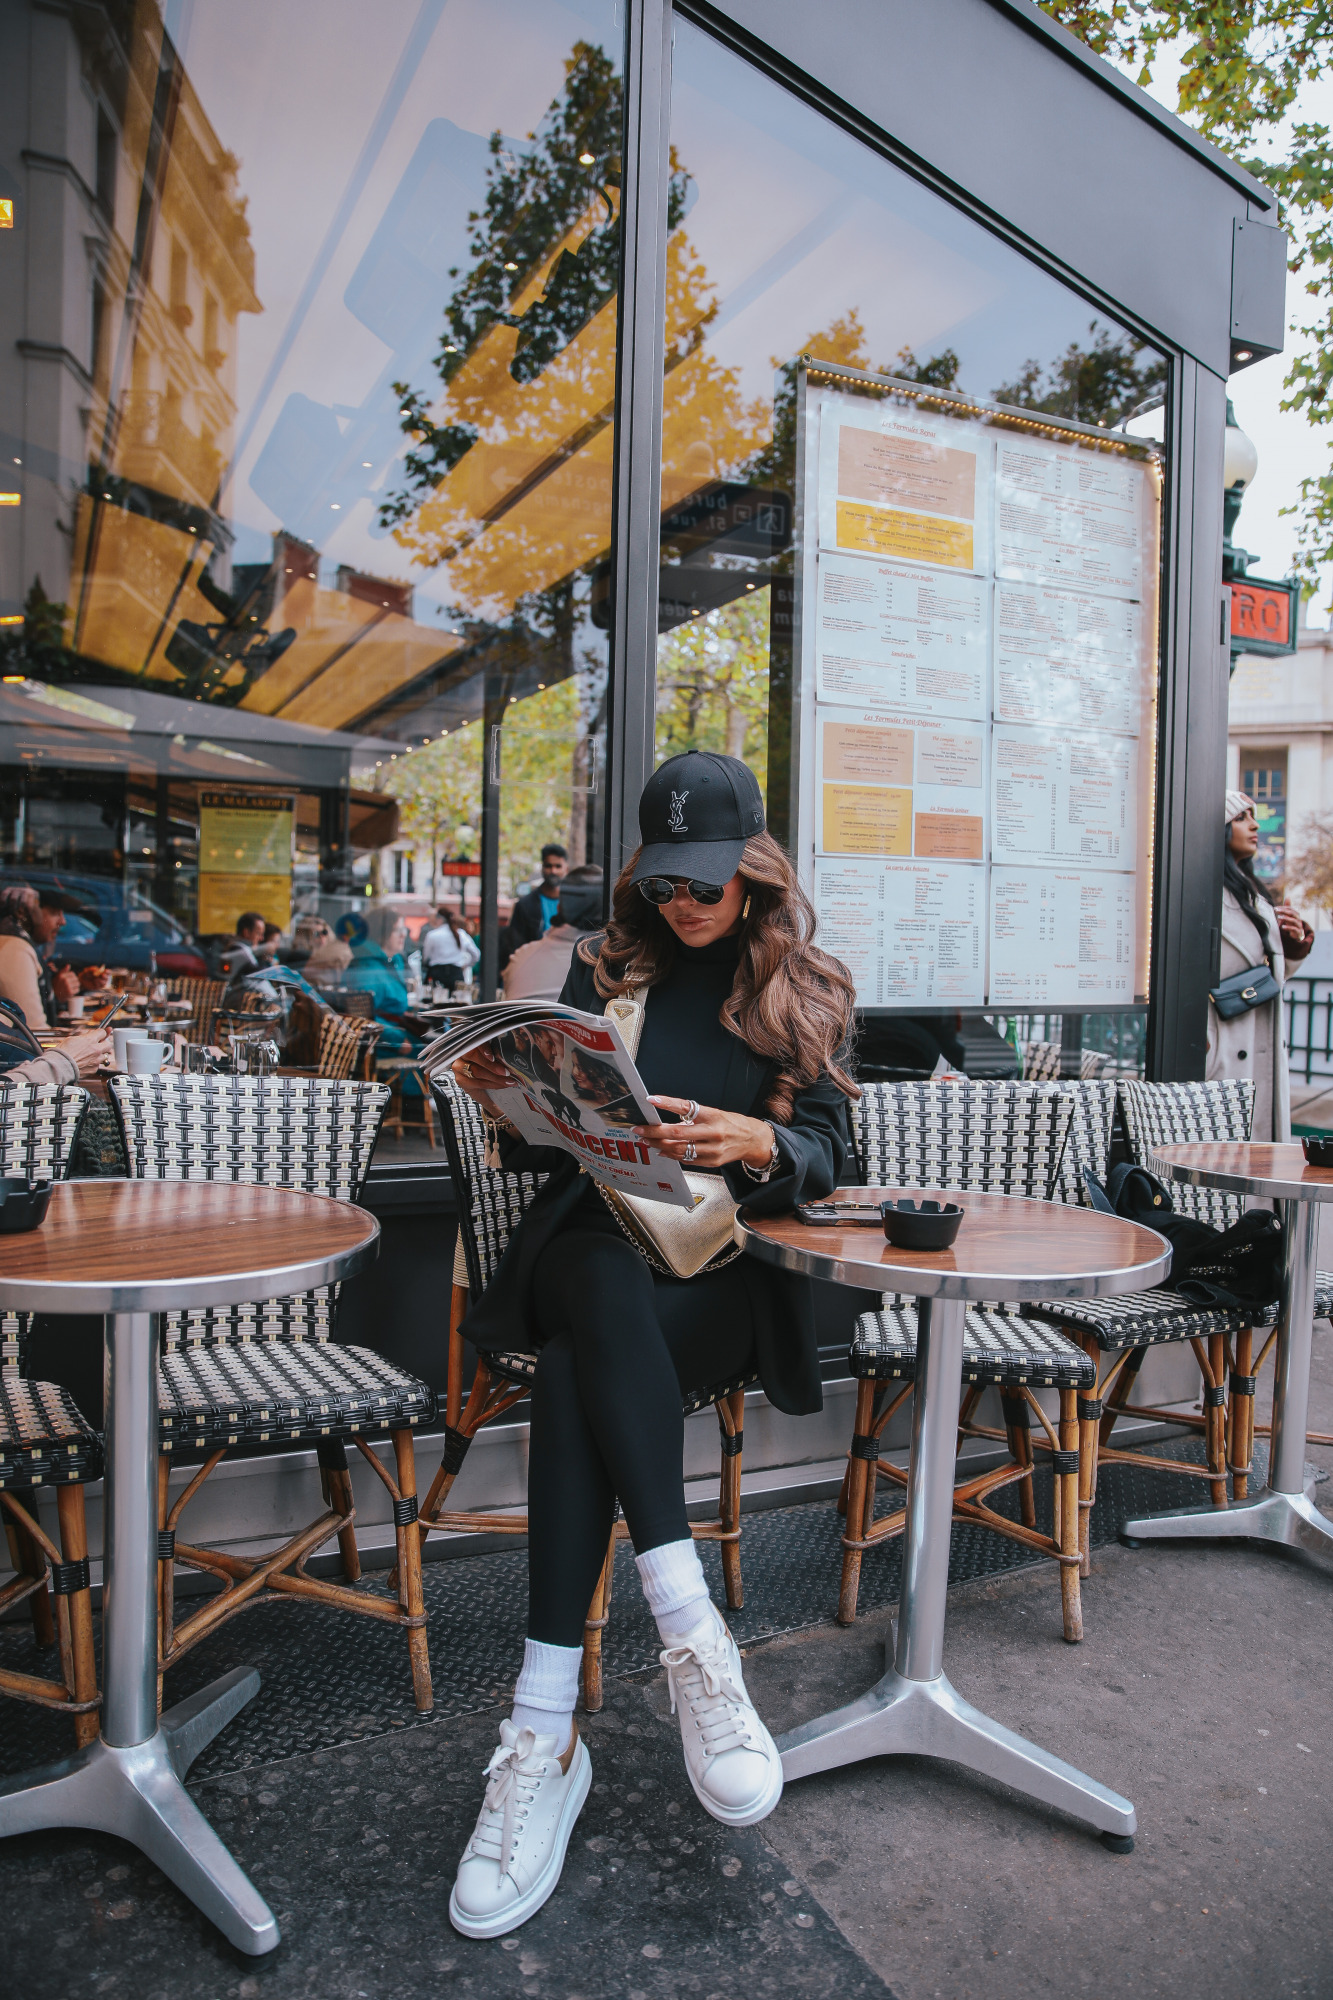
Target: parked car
[(117, 926)]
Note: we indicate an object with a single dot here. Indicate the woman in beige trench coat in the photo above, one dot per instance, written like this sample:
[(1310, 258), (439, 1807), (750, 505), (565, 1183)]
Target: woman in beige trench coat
[(1254, 1045)]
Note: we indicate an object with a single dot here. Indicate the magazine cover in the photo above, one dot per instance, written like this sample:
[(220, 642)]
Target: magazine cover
[(575, 1087)]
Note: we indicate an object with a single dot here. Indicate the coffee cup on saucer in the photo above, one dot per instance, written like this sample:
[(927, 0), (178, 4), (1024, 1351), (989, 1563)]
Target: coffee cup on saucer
[(121, 1039)]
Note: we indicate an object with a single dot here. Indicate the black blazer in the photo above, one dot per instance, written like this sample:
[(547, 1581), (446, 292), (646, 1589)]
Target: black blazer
[(817, 1156)]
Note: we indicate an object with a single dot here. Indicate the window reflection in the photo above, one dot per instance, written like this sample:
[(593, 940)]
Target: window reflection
[(313, 497)]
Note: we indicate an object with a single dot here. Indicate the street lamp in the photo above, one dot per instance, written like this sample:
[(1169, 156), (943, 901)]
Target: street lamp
[(1240, 462)]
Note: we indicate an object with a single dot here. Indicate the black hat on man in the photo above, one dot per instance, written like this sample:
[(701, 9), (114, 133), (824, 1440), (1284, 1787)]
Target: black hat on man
[(695, 816)]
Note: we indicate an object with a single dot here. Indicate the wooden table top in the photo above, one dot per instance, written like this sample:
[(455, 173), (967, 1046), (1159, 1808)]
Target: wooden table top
[(1246, 1167), (1007, 1248), (149, 1246)]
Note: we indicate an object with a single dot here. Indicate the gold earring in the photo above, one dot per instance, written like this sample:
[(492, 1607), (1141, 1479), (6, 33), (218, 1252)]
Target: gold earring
[(745, 910)]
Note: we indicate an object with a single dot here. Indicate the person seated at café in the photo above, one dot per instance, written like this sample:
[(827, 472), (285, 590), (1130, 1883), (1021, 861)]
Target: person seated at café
[(327, 954), (745, 1045), (29, 925), (448, 952), (534, 913), (538, 970), (376, 966), (240, 953)]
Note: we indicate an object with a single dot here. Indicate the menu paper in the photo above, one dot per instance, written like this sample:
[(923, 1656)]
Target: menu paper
[(1066, 657), (1063, 797), (901, 484), (1068, 515), (892, 784), (911, 637), (912, 934), (1061, 938)]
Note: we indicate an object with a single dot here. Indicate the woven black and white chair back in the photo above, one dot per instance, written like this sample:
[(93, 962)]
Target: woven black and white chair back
[(39, 1123), (999, 1138), (1088, 1147), (491, 1201), (310, 1133), (1178, 1114)]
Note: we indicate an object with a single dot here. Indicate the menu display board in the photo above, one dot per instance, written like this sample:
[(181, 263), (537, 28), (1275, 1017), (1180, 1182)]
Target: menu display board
[(977, 674)]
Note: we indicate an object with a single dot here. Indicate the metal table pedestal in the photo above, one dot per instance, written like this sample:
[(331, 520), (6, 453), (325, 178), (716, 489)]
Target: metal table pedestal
[(915, 1710), (1284, 1512), (129, 1781)]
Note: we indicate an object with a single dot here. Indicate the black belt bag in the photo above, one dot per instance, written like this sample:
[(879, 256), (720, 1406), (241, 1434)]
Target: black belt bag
[(1243, 990)]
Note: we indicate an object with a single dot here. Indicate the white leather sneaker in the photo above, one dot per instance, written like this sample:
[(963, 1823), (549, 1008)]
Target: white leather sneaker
[(732, 1760), (517, 1850)]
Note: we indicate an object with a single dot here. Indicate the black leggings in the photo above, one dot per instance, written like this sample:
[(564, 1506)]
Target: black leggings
[(620, 1348)]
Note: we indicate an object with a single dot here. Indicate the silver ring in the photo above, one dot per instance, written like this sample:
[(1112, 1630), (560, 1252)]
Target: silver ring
[(691, 1110), (689, 1153)]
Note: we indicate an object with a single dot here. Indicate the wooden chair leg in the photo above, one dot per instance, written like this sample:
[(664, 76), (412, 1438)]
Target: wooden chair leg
[(1214, 1396), (410, 1592), (731, 1424), (1240, 1415), (1018, 1430), (594, 1626), (31, 1562), (74, 1548), (1068, 1480), (1089, 1424), (336, 1481), (860, 1499)]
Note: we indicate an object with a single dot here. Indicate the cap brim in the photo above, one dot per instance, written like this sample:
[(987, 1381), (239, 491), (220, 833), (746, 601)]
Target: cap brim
[(712, 861)]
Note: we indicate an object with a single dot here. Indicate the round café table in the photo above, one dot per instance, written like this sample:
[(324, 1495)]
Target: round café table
[(1008, 1248), (131, 1250), (1284, 1512)]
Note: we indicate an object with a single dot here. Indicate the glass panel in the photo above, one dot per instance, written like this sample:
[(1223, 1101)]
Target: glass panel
[(1264, 777), (309, 511), (854, 665)]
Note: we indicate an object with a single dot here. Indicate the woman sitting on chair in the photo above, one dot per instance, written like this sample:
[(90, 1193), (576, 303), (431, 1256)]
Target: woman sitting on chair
[(744, 1042)]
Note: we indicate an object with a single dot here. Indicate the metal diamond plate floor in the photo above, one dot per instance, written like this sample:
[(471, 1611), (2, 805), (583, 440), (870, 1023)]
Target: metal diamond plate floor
[(329, 1679)]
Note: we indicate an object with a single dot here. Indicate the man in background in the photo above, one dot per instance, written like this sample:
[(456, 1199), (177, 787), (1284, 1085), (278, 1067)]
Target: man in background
[(535, 913), (538, 970)]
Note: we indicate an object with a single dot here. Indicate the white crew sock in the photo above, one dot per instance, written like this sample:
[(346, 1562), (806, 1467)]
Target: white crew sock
[(673, 1583), (547, 1689)]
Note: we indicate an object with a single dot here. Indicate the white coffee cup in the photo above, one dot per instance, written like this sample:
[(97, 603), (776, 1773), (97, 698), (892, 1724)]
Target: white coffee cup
[(145, 1058), (74, 1007), (121, 1039)]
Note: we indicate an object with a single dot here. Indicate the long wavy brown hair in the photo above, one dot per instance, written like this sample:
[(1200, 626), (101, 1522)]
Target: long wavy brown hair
[(790, 1002)]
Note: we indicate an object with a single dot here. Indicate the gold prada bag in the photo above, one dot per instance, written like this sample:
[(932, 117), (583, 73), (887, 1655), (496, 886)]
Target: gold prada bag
[(674, 1241)]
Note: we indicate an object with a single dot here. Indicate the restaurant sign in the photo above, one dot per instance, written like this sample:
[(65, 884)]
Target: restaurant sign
[(1264, 615)]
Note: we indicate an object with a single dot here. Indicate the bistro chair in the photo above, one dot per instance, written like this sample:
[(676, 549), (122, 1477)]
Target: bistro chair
[(270, 1373), (346, 1045), (45, 1440), (1166, 1114), (394, 1070), (1049, 1062), (491, 1203), (997, 1138), (205, 997)]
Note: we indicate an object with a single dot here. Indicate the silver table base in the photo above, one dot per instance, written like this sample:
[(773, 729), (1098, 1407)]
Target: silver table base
[(914, 1710), (1283, 1512), (129, 1781)]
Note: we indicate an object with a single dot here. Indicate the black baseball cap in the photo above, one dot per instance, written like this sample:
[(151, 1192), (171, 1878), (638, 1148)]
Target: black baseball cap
[(695, 816)]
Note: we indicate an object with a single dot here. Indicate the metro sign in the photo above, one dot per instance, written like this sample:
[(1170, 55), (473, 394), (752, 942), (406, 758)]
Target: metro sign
[(1264, 615)]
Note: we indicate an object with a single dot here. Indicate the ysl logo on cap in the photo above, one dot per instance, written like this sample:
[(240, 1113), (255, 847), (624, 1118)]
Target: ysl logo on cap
[(675, 823)]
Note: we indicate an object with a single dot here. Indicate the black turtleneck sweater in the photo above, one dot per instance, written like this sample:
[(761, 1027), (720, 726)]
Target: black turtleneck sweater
[(684, 1050)]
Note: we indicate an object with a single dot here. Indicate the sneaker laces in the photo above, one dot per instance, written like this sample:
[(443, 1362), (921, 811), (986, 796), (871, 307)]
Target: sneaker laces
[(700, 1677), (513, 1779)]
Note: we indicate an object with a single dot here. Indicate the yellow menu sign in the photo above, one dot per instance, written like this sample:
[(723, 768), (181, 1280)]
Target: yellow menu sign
[(245, 858)]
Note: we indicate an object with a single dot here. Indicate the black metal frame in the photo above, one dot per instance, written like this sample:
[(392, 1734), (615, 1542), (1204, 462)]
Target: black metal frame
[(1187, 870)]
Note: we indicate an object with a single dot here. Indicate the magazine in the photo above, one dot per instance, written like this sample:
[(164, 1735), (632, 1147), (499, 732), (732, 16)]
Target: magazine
[(575, 1087)]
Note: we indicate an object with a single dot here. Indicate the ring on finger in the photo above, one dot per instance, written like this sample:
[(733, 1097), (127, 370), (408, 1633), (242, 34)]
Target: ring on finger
[(690, 1153), (691, 1110)]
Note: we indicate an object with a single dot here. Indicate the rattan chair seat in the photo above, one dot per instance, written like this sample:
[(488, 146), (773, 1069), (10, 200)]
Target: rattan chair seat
[(1139, 1319), (282, 1392), (44, 1438), (999, 1348)]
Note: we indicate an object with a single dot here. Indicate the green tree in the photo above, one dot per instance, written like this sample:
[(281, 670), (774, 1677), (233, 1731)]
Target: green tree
[(712, 684), (1243, 63)]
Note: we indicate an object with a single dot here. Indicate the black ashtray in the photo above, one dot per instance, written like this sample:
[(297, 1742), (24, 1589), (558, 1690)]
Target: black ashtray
[(1318, 1152), (927, 1225), (23, 1207)]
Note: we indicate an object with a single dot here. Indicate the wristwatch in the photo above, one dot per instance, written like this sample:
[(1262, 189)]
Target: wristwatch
[(770, 1167)]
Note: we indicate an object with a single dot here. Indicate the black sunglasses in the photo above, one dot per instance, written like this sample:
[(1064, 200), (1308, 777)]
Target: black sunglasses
[(660, 889)]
